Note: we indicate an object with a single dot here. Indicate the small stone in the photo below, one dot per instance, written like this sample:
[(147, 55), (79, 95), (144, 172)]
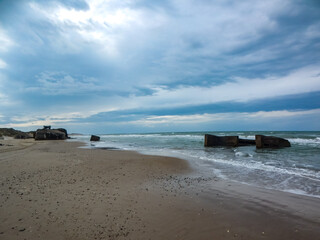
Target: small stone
[(22, 229)]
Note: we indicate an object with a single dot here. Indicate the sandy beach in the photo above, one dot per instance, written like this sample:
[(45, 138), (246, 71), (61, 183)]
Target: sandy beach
[(56, 190)]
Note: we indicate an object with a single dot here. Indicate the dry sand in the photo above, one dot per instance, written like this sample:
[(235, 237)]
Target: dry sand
[(55, 190)]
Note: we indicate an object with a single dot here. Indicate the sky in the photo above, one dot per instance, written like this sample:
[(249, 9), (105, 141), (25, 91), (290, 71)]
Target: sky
[(159, 66)]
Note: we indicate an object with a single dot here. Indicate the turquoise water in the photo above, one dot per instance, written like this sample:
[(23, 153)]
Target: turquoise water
[(295, 169)]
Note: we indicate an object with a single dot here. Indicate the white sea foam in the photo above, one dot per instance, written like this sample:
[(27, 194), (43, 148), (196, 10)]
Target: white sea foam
[(306, 141)]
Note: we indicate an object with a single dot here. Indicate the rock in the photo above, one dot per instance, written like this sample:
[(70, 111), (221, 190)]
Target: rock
[(271, 142), (49, 134), (212, 141), (10, 132), (21, 135), (94, 138)]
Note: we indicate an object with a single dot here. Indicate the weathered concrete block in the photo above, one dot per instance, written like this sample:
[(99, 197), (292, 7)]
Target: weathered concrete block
[(212, 141), (246, 142), (49, 134), (271, 142), (94, 138), (63, 130)]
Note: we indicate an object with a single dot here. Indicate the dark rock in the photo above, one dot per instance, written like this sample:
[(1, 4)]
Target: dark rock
[(10, 132), (94, 138), (49, 134), (271, 142), (21, 135), (212, 141)]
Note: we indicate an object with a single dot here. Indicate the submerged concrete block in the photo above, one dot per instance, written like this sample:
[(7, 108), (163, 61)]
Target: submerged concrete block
[(246, 142), (228, 141), (94, 138), (271, 142)]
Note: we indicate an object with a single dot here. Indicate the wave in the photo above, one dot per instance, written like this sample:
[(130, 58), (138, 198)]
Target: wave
[(306, 141)]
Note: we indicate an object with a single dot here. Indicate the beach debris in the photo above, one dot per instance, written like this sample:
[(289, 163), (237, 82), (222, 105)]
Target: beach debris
[(260, 141), (94, 138), (271, 142)]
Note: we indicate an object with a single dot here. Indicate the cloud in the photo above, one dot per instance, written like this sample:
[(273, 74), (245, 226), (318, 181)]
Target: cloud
[(60, 83), (241, 90), (3, 64), (31, 122), (282, 117), (234, 117), (147, 57), (5, 41)]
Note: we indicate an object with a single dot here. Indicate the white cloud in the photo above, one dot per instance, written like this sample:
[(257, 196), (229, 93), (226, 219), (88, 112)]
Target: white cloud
[(117, 27), (57, 83), (241, 90), (5, 41), (60, 119), (234, 116), (3, 64)]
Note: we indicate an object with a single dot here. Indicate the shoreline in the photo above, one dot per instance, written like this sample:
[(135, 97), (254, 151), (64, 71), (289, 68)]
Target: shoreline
[(55, 190)]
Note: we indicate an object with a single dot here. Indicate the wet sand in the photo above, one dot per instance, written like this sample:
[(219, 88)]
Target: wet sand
[(55, 190)]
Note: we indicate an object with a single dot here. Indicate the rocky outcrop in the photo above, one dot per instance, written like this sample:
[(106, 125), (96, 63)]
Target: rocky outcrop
[(94, 138), (49, 134), (22, 135), (271, 142), (10, 132)]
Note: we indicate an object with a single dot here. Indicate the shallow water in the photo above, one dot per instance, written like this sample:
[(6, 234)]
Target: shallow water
[(295, 169)]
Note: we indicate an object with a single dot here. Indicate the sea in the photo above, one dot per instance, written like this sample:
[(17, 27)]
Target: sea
[(295, 169)]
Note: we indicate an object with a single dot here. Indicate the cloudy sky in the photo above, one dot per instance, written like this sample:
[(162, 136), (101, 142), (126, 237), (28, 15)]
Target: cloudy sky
[(173, 65)]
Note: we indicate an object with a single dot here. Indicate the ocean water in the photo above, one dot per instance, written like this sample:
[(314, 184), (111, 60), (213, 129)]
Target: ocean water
[(295, 169)]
